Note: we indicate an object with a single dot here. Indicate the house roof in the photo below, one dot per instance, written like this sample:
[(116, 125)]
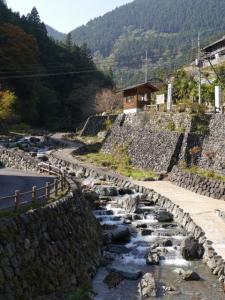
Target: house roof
[(208, 47), (144, 84)]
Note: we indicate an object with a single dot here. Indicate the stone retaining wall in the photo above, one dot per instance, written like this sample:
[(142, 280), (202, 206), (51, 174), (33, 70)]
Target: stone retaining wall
[(95, 124), (59, 245), (54, 248), (204, 186), (213, 148), (50, 249), (211, 258), (148, 146), (17, 159)]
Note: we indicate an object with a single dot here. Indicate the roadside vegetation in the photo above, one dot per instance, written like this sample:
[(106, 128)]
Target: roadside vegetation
[(211, 174), (119, 161)]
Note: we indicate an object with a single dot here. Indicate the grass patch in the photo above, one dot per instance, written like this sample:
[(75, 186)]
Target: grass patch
[(120, 163), (85, 139), (82, 293), (205, 173)]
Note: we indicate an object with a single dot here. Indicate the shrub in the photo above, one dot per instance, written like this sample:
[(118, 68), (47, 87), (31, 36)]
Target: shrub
[(108, 124), (21, 127), (171, 126)]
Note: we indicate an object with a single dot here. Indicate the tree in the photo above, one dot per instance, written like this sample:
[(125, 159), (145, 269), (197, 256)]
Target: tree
[(69, 43), (108, 101), (7, 103), (34, 16)]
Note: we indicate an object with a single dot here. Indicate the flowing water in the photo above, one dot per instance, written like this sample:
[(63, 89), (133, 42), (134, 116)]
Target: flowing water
[(166, 273)]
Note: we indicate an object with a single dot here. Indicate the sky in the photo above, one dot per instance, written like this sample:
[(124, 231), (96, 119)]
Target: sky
[(66, 15)]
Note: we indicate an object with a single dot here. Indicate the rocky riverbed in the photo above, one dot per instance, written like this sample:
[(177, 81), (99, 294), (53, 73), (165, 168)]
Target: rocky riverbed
[(146, 254)]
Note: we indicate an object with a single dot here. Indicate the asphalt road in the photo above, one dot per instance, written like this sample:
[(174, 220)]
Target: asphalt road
[(11, 180)]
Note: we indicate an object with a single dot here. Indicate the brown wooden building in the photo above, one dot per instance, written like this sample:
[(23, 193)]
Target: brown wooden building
[(136, 97)]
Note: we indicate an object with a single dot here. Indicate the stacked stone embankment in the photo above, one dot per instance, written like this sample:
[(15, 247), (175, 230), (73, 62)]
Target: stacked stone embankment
[(49, 249), (204, 186), (214, 261), (17, 159), (54, 248), (59, 246), (213, 148), (151, 142)]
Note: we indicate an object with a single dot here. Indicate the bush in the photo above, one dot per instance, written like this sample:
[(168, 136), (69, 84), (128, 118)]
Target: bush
[(21, 127), (171, 126)]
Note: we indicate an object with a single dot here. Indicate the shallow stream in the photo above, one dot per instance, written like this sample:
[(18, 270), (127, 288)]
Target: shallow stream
[(133, 257)]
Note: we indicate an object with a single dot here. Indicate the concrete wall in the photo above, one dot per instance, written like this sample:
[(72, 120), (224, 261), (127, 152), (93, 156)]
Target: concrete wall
[(95, 124)]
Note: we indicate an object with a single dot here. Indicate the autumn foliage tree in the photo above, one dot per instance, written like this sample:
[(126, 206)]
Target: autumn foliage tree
[(7, 103), (18, 58), (51, 81), (108, 101)]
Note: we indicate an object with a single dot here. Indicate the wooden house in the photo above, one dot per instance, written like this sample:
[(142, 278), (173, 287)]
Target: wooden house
[(137, 97), (214, 52)]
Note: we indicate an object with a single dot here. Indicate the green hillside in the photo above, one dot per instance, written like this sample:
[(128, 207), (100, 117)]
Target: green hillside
[(166, 28), (51, 84)]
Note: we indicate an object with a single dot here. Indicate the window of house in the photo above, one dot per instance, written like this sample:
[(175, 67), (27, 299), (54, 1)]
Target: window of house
[(129, 99)]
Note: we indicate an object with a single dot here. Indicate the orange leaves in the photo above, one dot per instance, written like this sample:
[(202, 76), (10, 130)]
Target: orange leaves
[(18, 50)]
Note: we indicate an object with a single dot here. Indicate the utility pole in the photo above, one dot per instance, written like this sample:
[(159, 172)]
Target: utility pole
[(199, 72), (146, 62)]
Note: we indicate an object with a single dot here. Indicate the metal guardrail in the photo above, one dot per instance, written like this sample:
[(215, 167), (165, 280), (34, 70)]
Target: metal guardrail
[(40, 194)]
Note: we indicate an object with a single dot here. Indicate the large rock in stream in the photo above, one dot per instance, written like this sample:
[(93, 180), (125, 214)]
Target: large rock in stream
[(147, 286), (129, 202), (118, 235), (164, 216), (104, 190), (152, 258), (127, 271), (191, 249)]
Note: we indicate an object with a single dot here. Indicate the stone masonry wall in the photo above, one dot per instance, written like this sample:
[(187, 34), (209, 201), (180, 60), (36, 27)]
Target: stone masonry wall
[(213, 149), (198, 184), (149, 145), (95, 124), (211, 258), (17, 159), (49, 249)]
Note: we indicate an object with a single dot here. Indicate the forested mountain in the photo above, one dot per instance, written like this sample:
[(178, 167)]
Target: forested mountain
[(166, 28), (54, 85), (56, 35)]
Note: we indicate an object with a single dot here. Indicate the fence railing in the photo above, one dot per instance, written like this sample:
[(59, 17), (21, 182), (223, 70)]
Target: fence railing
[(38, 195)]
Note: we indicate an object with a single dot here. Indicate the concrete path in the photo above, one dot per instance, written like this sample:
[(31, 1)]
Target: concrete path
[(11, 180), (201, 209)]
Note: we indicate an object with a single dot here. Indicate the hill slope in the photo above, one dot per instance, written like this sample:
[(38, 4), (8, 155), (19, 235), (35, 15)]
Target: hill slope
[(55, 34), (54, 84), (166, 28)]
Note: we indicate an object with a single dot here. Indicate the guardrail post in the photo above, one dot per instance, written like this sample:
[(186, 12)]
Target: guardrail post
[(34, 194), (49, 168), (47, 191), (56, 187), (17, 199), (64, 180)]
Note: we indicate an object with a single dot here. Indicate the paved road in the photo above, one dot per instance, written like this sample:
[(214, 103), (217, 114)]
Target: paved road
[(201, 209), (11, 180)]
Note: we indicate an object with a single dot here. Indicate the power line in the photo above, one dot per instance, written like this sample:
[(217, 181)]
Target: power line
[(48, 74)]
